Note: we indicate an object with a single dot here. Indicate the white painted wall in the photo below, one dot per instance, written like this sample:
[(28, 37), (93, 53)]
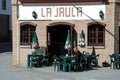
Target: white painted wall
[(48, 12)]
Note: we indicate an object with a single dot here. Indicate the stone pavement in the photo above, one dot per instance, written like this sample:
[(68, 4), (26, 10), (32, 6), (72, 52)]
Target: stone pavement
[(47, 73)]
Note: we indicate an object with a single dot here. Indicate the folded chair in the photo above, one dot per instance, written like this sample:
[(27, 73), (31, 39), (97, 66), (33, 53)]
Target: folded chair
[(94, 60)]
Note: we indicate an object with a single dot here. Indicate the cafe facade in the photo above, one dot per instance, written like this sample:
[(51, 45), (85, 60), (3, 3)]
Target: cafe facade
[(90, 22)]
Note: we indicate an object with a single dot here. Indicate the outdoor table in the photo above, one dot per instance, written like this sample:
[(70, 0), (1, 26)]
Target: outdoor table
[(67, 62)]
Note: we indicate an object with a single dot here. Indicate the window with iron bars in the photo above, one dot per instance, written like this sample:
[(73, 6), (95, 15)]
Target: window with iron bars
[(26, 33), (96, 35)]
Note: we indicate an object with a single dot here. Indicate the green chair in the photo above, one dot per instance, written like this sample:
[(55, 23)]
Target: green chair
[(64, 63), (114, 61), (46, 60), (117, 60), (94, 60), (83, 61), (56, 64)]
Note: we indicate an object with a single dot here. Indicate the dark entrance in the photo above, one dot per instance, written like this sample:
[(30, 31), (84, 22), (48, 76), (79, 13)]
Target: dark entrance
[(57, 37), (119, 40)]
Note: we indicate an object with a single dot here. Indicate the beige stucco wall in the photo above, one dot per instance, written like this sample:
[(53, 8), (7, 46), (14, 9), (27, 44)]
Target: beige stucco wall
[(20, 52)]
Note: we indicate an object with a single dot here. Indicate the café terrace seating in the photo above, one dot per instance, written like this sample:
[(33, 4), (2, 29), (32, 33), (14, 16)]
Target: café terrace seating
[(63, 63), (38, 59)]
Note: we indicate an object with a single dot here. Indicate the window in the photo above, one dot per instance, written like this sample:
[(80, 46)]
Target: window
[(26, 34), (4, 4), (96, 35)]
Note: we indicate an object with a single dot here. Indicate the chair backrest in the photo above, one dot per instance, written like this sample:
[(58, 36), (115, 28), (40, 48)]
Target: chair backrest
[(111, 58), (72, 59), (83, 58), (41, 50), (116, 56), (95, 56), (56, 59)]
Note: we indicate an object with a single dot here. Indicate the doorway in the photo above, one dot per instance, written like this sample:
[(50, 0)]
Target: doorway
[(119, 40), (56, 38)]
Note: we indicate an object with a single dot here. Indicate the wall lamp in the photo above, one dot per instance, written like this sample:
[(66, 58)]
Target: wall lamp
[(34, 15), (101, 14)]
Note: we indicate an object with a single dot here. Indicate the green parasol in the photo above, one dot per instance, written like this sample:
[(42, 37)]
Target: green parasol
[(82, 36), (34, 43), (68, 42)]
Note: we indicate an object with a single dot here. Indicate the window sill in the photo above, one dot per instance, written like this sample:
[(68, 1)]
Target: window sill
[(25, 46), (97, 47)]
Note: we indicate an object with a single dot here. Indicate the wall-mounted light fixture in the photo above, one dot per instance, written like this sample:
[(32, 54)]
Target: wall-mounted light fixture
[(101, 14), (34, 15), (82, 39)]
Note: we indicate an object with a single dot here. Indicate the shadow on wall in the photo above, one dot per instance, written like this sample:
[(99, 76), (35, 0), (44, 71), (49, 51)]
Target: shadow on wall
[(5, 47)]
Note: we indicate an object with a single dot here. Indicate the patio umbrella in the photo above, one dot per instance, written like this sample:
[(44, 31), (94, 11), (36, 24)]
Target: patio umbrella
[(93, 51), (34, 43), (82, 36), (68, 43)]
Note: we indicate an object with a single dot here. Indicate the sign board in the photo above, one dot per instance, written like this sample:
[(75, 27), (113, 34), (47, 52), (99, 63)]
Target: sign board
[(60, 12)]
